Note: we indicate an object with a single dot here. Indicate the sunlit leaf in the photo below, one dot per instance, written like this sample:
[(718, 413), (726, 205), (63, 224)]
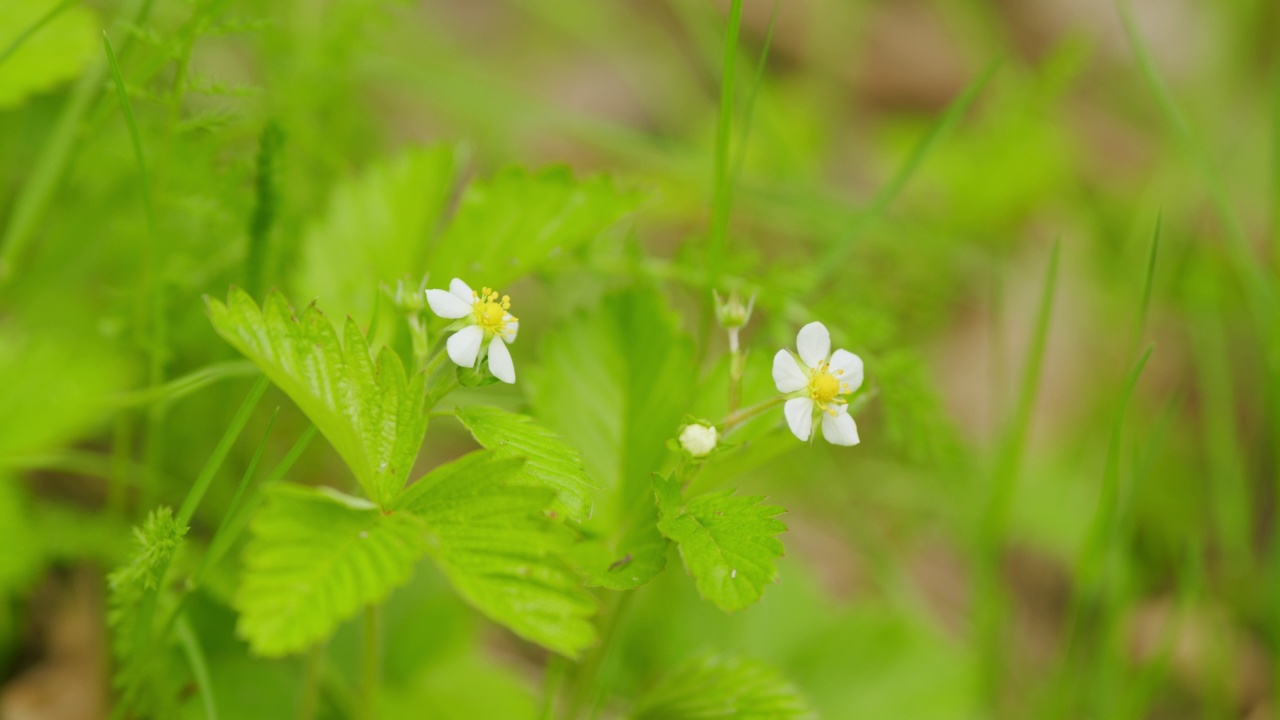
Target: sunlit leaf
[(727, 541), (488, 531), (317, 556), (724, 689), (54, 53), (372, 414)]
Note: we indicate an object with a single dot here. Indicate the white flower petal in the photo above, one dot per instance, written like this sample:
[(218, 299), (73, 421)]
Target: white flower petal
[(512, 327), (500, 361), (847, 368), (446, 305), (814, 343), (462, 291), (839, 429), (787, 374), (464, 346), (799, 412)]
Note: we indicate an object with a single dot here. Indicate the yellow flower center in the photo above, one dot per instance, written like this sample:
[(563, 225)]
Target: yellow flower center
[(826, 387), (490, 312)]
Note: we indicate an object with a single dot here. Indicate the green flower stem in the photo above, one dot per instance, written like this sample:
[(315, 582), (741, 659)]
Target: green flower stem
[(737, 364), (421, 343), (742, 416)]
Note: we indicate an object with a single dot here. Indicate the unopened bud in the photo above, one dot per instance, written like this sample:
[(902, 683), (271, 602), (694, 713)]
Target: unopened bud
[(698, 439), (732, 313), (407, 299)]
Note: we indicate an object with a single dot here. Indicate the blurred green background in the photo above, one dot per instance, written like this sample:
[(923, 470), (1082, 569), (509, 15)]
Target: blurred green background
[(944, 183)]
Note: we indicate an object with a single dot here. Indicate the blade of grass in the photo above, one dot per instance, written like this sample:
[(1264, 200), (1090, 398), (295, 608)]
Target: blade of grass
[(989, 593), (236, 520), (199, 667), (748, 113), (210, 557), (32, 29), (940, 130), (181, 387), (151, 298), (722, 190), (1145, 308), (214, 463)]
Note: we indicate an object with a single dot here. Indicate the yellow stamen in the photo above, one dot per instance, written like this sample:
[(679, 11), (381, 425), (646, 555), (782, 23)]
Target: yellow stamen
[(490, 313)]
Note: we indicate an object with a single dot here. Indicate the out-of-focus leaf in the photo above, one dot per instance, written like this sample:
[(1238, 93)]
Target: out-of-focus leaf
[(371, 414), (377, 228), (727, 541), (518, 221), (317, 557), (719, 688), (616, 383), (549, 462), (56, 52), (487, 529)]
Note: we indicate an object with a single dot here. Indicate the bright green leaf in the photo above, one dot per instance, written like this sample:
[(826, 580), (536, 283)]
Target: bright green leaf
[(317, 556), (724, 689), (55, 53), (487, 529), (372, 414), (549, 461), (516, 222), (727, 541)]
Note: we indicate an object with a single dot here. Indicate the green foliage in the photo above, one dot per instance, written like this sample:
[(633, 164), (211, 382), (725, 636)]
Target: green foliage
[(727, 541), (317, 557), (724, 688), (136, 594), (376, 229), (517, 221), (549, 461), (486, 527), (372, 414), (21, 559), (51, 52), (616, 383)]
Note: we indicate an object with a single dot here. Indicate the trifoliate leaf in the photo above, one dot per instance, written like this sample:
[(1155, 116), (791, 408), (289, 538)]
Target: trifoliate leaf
[(316, 557), (54, 53), (133, 616), (550, 462), (371, 414), (517, 222), (727, 541), (377, 228), (488, 531), (724, 689), (615, 383)]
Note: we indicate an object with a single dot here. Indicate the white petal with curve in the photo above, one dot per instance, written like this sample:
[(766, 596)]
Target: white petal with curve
[(462, 291), (787, 374), (464, 346), (500, 361), (799, 412), (839, 429), (814, 343), (447, 305), (847, 368)]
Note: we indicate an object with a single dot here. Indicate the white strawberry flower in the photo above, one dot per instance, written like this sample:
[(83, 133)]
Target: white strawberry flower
[(487, 327), (815, 383)]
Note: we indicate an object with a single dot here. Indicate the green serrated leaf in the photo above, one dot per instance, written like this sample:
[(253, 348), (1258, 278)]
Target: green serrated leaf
[(371, 413), (517, 222), (550, 462), (719, 688), (615, 383), (726, 541), (135, 594), (317, 556), (487, 529)]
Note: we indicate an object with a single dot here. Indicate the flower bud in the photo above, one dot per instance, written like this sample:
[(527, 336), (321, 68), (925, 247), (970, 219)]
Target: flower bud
[(731, 313), (698, 439), (407, 299)]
